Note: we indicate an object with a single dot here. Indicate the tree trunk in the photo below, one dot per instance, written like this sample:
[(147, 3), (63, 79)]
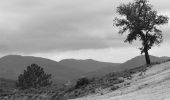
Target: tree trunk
[(147, 57)]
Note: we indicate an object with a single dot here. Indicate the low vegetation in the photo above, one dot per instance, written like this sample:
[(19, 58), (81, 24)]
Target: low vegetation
[(82, 87)]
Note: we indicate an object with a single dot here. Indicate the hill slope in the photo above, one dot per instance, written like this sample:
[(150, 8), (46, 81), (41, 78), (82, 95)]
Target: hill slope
[(7, 83), (153, 85), (13, 65), (88, 65), (132, 63)]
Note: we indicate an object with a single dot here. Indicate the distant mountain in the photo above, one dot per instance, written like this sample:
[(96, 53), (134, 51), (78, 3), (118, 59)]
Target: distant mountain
[(132, 63), (165, 58), (88, 65), (140, 60), (69, 69), (13, 65)]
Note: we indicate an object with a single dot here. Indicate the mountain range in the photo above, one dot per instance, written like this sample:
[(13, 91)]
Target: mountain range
[(68, 69), (88, 65), (13, 65), (132, 63)]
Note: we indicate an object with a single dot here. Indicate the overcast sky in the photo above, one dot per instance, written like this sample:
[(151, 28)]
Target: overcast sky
[(60, 29)]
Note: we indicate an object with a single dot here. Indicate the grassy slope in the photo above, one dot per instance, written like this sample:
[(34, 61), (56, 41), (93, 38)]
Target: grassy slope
[(153, 85)]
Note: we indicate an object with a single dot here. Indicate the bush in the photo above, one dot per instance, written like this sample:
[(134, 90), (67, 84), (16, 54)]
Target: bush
[(82, 82), (33, 77)]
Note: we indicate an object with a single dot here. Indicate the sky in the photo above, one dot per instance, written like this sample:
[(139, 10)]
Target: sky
[(63, 29)]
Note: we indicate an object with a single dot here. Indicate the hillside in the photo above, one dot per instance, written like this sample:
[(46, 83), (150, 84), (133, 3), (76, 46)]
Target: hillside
[(140, 60), (69, 69), (88, 65), (132, 63), (154, 84), (13, 65), (138, 83), (7, 83)]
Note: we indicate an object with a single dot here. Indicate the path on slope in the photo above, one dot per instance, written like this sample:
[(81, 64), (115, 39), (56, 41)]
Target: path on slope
[(153, 85)]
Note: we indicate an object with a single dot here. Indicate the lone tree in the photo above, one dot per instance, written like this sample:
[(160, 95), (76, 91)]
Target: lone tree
[(140, 21), (33, 77)]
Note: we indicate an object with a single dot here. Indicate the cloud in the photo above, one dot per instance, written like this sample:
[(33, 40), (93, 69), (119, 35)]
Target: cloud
[(162, 5), (41, 26)]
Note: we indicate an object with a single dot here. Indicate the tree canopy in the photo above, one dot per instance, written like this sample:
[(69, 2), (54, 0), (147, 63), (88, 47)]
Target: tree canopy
[(140, 21), (33, 77)]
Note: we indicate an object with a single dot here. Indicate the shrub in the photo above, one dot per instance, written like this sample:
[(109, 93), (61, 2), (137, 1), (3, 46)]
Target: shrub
[(82, 82), (33, 77)]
